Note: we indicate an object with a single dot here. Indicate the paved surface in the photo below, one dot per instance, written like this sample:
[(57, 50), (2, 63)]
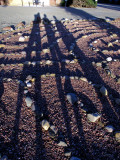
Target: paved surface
[(13, 15)]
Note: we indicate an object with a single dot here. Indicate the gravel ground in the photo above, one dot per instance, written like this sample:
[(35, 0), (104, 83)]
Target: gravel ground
[(21, 134)]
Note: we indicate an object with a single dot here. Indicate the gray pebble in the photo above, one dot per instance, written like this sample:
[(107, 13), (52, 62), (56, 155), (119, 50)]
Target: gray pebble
[(72, 98), (28, 101)]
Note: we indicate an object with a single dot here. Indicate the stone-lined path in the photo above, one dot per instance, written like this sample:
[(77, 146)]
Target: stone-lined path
[(60, 90)]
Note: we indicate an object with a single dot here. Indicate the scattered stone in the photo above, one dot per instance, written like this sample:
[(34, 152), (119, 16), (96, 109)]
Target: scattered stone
[(21, 39), (109, 128), (83, 79), (114, 35), (113, 75), (110, 44), (109, 59), (29, 84), (25, 91), (2, 45), (72, 98), (29, 78), (48, 62), (67, 153), (53, 22), (46, 51), (45, 124), (19, 33), (72, 77), (27, 63), (103, 91), (28, 101), (108, 72), (117, 136), (93, 117), (99, 64), (118, 80), (84, 36), (117, 101), (74, 158), (23, 53), (33, 63), (62, 144)]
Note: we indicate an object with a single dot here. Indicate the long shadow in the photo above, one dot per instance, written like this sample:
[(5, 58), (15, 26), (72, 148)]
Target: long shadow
[(96, 79), (39, 100), (56, 55), (81, 149)]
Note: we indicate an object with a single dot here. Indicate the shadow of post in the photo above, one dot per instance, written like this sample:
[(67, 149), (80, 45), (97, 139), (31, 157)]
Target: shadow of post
[(33, 71)]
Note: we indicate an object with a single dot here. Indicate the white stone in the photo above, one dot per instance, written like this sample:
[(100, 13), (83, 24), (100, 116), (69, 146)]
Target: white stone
[(28, 101), (109, 59), (45, 124), (21, 39), (93, 117), (29, 84), (62, 144), (109, 128)]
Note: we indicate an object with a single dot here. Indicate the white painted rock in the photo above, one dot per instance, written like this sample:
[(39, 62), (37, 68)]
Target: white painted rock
[(93, 117), (109, 59), (109, 128), (28, 101), (29, 84), (103, 91), (117, 136), (62, 144), (21, 39), (45, 124)]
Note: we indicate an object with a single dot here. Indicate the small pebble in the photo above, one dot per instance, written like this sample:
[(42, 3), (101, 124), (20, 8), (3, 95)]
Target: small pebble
[(45, 124), (109, 128)]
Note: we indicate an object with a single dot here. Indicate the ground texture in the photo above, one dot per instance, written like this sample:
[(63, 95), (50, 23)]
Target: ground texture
[(57, 56)]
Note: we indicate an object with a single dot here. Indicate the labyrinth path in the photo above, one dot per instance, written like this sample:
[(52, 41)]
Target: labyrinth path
[(60, 90)]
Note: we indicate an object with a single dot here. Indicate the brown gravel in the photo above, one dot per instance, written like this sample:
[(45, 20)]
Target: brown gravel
[(21, 135)]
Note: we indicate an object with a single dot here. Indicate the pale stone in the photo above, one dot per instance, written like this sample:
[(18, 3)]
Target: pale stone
[(28, 101), (46, 50), (2, 45), (21, 39), (62, 144), (109, 128), (45, 124), (83, 79), (93, 117), (109, 59), (117, 136)]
